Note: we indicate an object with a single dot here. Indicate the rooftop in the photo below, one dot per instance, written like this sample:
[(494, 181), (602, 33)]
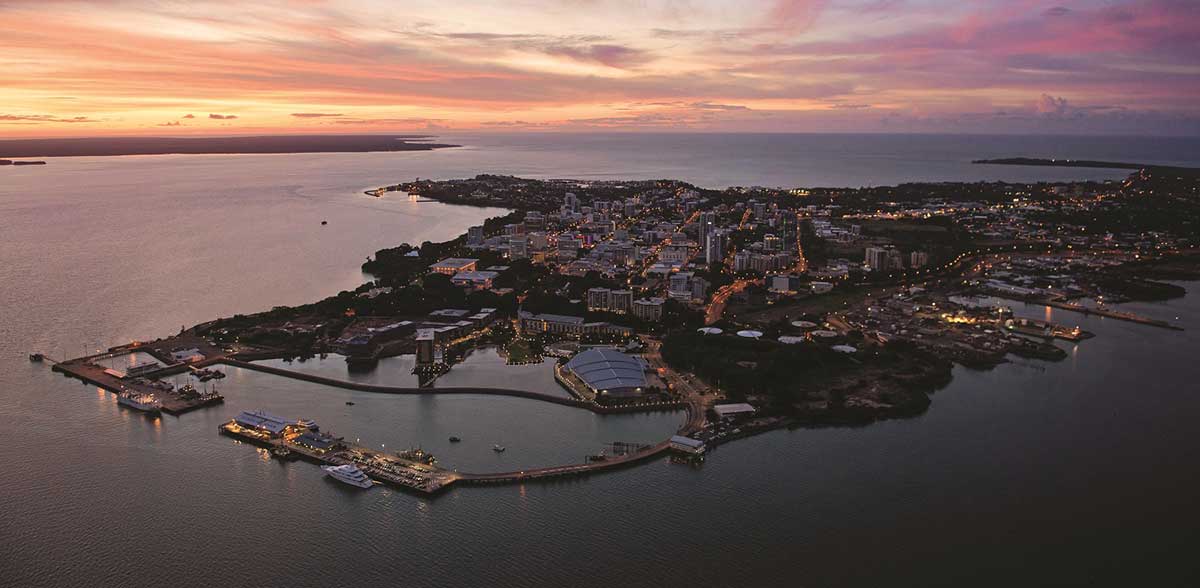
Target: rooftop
[(455, 262), (606, 368), (724, 410), (262, 420)]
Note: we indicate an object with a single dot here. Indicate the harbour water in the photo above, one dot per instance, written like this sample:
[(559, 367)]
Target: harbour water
[(482, 367), (1081, 472)]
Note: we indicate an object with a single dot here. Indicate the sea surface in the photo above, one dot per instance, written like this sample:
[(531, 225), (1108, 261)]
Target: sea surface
[(1080, 472)]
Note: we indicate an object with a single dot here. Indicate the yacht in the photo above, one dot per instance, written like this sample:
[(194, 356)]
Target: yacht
[(349, 474), (143, 402), (498, 448)]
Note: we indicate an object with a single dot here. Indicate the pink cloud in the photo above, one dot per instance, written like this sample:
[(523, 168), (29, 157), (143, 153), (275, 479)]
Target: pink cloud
[(303, 66), (795, 14)]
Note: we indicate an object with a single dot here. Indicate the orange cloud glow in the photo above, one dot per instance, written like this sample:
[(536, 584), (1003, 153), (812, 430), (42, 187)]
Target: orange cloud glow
[(139, 66)]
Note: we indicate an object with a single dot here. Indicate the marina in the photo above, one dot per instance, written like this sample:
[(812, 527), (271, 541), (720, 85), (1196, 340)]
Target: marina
[(286, 440)]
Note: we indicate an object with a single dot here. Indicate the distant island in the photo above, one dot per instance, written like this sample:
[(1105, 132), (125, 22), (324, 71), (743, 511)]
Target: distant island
[(11, 162), (1082, 163), (107, 146)]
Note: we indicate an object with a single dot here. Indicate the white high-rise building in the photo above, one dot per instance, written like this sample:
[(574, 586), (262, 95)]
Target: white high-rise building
[(708, 222), (714, 247)]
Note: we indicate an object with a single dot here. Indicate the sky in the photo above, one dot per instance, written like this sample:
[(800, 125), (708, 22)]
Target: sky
[(223, 67)]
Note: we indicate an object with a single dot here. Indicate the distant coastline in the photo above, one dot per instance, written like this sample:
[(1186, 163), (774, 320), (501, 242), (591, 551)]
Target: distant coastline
[(1081, 163), (112, 146)]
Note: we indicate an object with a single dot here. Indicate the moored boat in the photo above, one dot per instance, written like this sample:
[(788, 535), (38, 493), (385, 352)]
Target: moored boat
[(147, 403), (349, 474)]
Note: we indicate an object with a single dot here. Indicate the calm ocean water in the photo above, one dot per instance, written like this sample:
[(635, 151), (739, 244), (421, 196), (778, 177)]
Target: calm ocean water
[(1081, 472)]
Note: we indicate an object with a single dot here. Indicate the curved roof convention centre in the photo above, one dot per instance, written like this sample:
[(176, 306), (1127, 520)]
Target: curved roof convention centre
[(608, 369)]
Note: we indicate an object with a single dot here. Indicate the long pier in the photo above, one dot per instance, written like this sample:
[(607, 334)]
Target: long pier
[(1113, 314), (565, 470), (693, 424)]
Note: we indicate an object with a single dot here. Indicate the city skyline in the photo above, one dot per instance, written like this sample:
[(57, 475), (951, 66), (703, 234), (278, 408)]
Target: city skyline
[(223, 68)]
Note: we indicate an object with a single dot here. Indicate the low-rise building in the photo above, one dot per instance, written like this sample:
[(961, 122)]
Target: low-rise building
[(453, 265), (738, 409), (479, 280), (570, 326), (687, 445)]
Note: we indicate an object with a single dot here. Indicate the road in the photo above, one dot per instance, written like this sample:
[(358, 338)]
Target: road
[(686, 386), (720, 299)]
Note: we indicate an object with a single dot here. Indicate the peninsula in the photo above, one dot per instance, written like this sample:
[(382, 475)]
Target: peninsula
[(1035, 161), (748, 308), (110, 146)]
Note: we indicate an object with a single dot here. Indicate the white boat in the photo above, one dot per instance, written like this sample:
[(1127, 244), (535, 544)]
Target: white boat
[(143, 402), (498, 448), (349, 474)]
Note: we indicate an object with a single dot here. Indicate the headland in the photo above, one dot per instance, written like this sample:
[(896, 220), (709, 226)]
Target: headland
[(112, 146), (750, 308)]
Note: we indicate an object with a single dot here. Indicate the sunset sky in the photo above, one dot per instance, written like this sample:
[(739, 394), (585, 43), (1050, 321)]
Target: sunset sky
[(227, 67)]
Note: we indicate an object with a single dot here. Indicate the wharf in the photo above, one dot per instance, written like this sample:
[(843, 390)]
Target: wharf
[(1047, 330), (1113, 314), (387, 468), (172, 401)]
